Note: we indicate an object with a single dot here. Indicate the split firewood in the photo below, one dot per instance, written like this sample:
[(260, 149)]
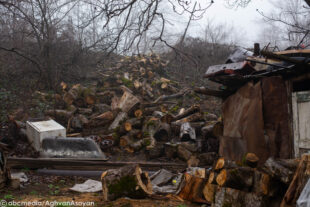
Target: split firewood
[(209, 192), (121, 116), (240, 178), (192, 188), (70, 96), (298, 183), (193, 109), (129, 181), (187, 132), (276, 170), (128, 102), (212, 177), (251, 160), (224, 163), (101, 120)]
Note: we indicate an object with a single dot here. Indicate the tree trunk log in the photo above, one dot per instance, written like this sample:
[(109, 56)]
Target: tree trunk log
[(298, 183), (128, 181), (240, 178)]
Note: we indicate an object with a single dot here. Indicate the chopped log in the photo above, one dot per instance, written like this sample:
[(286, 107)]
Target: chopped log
[(129, 181), (135, 134), (163, 132), (167, 118), (184, 153), (210, 117), (167, 97), (128, 102), (124, 141), (193, 109), (240, 178), (70, 96), (251, 160), (192, 188), (101, 108), (171, 150), (134, 123), (298, 183), (210, 92), (138, 113), (212, 178), (233, 197), (187, 132), (149, 111), (192, 162), (121, 116), (209, 192), (191, 118), (264, 184), (278, 171), (61, 116), (84, 111), (208, 158), (223, 163), (78, 121), (101, 120)]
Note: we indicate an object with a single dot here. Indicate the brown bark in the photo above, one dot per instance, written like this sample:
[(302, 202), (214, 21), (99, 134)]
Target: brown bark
[(223, 163)]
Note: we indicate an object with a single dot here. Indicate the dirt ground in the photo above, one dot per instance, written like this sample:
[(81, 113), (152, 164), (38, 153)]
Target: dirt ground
[(43, 190)]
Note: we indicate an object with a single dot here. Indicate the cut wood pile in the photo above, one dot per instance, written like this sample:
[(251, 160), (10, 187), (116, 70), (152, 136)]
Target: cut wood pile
[(135, 106), (275, 183)]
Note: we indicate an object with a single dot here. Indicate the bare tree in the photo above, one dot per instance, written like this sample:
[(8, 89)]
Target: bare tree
[(290, 23)]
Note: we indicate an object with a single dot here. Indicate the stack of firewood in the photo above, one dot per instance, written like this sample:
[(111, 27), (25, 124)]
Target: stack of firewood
[(136, 106), (277, 182)]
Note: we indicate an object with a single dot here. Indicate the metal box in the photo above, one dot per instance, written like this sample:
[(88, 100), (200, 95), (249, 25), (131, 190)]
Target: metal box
[(37, 131)]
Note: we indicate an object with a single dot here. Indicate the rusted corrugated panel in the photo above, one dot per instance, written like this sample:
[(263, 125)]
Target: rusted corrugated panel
[(276, 117), (243, 123)]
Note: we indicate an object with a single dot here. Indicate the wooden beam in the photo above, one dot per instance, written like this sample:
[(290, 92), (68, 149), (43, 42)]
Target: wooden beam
[(83, 164)]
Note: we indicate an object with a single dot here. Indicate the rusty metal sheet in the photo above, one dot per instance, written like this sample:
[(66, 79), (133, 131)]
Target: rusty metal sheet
[(243, 120), (276, 117), (242, 68)]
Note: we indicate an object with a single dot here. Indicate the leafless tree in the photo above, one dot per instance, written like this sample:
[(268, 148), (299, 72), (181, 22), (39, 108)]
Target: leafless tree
[(291, 20)]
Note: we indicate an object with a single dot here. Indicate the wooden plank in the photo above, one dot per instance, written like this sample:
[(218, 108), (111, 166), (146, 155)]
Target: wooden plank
[(295, 124), (83, 164)]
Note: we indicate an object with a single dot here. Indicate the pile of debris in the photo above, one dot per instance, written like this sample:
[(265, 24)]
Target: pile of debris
[(135, 107), (227, 183)]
